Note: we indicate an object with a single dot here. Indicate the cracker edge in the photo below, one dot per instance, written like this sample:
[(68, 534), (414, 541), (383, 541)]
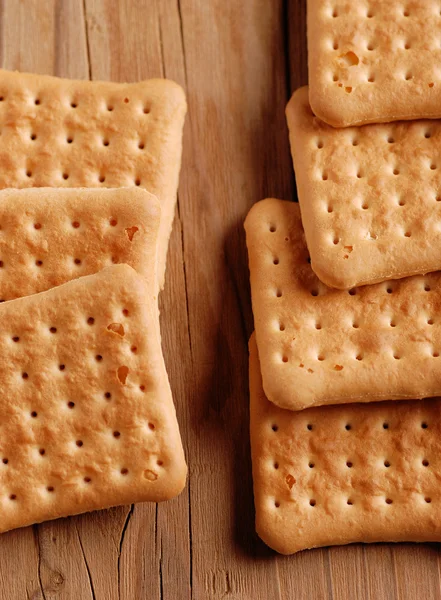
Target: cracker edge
[(271, 532), (326, 270)]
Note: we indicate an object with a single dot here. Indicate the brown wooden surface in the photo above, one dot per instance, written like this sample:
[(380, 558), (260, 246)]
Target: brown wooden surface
[(238, 61)]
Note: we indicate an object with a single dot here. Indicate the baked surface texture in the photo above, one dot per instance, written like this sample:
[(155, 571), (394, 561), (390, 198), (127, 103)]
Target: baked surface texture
[(50, 236), (320, 346), (370, 196), (67, 133), (88, 420), (341, 474), (374, 62)]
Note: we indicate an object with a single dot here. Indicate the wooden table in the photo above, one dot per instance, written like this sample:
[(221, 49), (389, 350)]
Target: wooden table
[(239, 60)]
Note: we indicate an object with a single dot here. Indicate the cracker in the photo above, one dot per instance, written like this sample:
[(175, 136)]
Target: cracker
[(370, 196), (87, 416), (323, 346), (49, 236), (374, 62), (66, 133), (342, 474)]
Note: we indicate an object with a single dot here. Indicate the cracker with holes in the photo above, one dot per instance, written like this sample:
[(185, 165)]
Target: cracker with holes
[(370, 196), (65, 133), (321, 346), (49, 236), (375, 61), (342, 474), (88, 420)]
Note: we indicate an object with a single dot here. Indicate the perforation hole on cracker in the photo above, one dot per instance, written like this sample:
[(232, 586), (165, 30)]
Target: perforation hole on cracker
[(392, 167), (363, 344)]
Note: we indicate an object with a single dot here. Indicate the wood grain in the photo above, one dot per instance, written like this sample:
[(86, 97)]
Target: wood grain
[(239, 62)]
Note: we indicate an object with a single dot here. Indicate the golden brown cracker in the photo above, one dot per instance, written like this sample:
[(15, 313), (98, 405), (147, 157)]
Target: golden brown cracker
[(66, 133), (87, 416), (342, 474), (318, 345)]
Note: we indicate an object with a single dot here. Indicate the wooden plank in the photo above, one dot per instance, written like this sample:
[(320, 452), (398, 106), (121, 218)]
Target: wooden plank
[(236, 152), (379, 566), (28, 33), (124, 42), (306, 576), (348, 573), (19, 565), (416, 571)]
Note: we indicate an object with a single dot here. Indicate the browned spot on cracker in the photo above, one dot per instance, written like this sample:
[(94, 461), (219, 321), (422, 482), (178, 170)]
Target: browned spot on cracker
[(150, 475), (290, 480), (122, 374), (130, 231), (350, 59), (338, 368), (116, 328)]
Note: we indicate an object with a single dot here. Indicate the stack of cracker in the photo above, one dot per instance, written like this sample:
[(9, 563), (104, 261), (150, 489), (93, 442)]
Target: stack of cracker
[(346, 290), (88, 420)]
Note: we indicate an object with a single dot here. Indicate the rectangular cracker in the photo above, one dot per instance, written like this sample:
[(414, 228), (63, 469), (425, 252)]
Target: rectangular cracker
[(65, 133), (343, 474), (323, 346), (49, 236), (374, 62), (87, 416), (370, 196)]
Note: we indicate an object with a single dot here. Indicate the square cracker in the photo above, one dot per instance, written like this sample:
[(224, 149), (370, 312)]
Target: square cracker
[(49, 236), (88, 420), (375, 61), (323, 346), (370, 196), (342, 474), (65, 133)]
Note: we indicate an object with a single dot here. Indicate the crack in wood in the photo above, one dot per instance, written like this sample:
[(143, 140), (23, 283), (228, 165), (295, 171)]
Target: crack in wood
[(190, 536), (184, 267), (158, 546), (37, 541), (161, 47), (231, 271), (92, 589), (285, 33), (86, 33), (181, 26), (120, 545), (161, 585)]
